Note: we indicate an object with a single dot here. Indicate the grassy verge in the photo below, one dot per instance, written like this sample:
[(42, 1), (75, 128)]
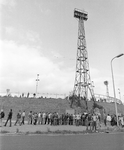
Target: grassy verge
[(4, 131), (64, 132)]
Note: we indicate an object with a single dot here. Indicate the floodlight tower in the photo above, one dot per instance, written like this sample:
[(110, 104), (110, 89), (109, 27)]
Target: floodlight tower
[(37, 80), (82, 79), (107, 90)]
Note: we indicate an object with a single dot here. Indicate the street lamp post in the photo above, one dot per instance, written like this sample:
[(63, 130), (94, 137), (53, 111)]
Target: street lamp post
[(37, 83), (115, 100)]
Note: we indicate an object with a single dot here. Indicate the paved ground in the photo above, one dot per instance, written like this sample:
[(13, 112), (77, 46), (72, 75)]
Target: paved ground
[(96, 141)]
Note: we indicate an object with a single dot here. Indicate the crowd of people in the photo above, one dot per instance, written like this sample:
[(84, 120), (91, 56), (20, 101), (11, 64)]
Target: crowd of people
[(112, 120), (91, 121)]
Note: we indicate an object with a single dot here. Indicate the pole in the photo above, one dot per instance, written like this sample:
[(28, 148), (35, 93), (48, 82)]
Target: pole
[(37, 83), (115, 100), (93, 85), (119, 92)]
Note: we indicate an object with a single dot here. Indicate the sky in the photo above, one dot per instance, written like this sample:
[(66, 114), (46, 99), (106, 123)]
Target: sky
[(40, 37)]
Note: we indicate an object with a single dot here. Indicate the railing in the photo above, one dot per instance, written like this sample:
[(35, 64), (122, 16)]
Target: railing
[(99, 97), (30, 95)]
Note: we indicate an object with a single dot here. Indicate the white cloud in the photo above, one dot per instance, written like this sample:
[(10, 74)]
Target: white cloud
[(44, 11), (9, 30), (20, 65), (21, 36), (94, 72), (10, 3)]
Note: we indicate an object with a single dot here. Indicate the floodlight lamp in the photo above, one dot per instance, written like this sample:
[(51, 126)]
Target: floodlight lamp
[(120, 55)]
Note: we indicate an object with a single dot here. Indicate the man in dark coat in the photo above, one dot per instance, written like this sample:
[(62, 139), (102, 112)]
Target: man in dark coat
[(9, 118), (2, 114)]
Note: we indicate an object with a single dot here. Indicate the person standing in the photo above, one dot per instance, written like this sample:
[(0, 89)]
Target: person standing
[(78, 119), (49, 118), (39, 118), (108, 120), (9, 118), (30, 117), (94, 118), (23, 118), (44, 117), (35, 118), (2, 115), (104, 118), (88, 121)]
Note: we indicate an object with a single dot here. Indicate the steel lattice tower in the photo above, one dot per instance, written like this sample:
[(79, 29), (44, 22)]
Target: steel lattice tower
[(82, 79)]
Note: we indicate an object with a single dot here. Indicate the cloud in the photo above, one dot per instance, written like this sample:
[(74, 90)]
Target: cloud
[(10, 3), (20, 64), (43, 10), (9, 30), (21, 36)]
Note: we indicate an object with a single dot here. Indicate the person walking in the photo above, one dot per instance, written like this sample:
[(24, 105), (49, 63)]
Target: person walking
[(9, 118), (18, 118)]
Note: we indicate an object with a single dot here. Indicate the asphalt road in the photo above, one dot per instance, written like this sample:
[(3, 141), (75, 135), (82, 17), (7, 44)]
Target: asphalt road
[(95, 141)]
